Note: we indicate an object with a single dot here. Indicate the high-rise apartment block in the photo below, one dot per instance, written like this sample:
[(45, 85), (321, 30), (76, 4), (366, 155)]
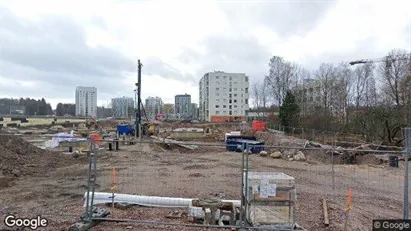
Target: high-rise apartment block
[(122, 107), (86, 101), (223, 95), (153, 107), (182, 105)]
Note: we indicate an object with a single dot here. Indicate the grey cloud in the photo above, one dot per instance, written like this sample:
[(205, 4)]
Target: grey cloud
[(156, 66), (230, 54), (284, 17), (55, 51)]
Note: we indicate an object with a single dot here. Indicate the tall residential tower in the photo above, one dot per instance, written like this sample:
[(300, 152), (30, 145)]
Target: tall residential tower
[(86, 101), (223, 95)]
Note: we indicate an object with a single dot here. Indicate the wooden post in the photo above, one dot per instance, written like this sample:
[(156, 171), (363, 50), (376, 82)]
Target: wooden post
[(325, 211)]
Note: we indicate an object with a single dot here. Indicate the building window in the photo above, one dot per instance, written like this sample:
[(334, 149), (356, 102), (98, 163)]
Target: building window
[(224, 77), (231, 78), (217, 100), (229, 95), (235, 101), (242, 95), (230, 89), (235, 89), (235, 95), (217, 106), (217, 112), (235, 106), (224, 89), (230, 113), (225, 100), (246, 78), (230, 101), (246, 101), (224, 106), (217, 94), (217, 77), (229, 107), (217, 89), (246, 90), (218, 83)]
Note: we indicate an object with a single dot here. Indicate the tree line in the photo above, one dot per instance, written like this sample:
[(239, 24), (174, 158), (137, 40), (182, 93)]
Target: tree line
[(25, 106), (372, 98)]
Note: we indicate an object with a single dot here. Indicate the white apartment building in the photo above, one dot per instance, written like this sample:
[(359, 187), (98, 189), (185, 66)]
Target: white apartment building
[(122, 107), (153, 106), (182, 104), (86, 101), (223, 94)]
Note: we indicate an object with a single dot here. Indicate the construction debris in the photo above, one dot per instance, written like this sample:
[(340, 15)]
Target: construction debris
[(325, 211), (170, 141)]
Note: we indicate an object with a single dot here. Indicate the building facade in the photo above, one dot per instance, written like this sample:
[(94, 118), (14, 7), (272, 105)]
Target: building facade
[(86, 101), (168, 108), (223, 94), (122, 107), (194, 111), (153, 107), (182, 105)]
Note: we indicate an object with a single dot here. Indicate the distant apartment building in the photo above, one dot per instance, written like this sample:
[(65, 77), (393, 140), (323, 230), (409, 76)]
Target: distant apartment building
[(86, 101), (122, 107), (168, 108), (182, 105), (310, 94), (153, 107), (194, 111), (223, 95)]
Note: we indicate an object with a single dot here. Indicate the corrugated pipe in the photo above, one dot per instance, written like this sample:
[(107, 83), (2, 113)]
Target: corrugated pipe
[(149, 201)]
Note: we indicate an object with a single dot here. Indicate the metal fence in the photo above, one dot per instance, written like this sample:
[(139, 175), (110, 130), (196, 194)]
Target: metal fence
[(355, 193), (163, 171)]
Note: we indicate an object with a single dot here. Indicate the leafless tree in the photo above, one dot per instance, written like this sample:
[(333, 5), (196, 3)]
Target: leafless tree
[(326, 75), (394, 73), (280, 77), (362, 84), (259, 93), (342, 90)]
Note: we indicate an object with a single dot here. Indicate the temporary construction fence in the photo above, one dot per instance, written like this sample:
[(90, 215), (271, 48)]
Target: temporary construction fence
[(355, 194)]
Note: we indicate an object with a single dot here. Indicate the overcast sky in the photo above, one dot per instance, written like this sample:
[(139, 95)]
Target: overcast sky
[(50, 47)]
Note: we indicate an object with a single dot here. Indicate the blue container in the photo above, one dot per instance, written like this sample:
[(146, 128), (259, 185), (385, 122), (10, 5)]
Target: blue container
[(239, 145), (124, 129)]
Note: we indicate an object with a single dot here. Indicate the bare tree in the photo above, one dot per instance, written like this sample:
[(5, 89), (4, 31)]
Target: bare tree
[(280, 77), (363, 81), (342, 90), (256, 94), (394, 73), (326, 75)]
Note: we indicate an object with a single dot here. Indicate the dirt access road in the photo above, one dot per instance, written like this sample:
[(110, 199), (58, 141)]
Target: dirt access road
[(144, 169)]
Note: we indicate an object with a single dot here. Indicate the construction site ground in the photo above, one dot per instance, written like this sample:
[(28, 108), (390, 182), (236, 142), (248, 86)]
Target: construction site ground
[(53, 184)]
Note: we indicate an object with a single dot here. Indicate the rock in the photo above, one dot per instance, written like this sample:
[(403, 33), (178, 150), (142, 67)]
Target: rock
[(290, 159), (300, 156), (263, 153), (129, 227), (276, 155), (289, 152), (16, 172)]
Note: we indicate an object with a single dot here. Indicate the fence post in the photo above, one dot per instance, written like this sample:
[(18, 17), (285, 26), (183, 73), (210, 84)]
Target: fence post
[(242, 191), (247, 153), (407, 136)]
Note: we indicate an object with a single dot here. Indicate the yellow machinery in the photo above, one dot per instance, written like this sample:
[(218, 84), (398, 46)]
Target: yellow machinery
[(151, 129)]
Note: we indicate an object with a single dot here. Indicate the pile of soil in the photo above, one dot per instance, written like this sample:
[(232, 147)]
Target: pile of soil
[(20, 158)]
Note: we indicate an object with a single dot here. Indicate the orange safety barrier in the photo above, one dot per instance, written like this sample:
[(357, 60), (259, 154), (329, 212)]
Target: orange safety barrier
[(96, 137), (258, 125)]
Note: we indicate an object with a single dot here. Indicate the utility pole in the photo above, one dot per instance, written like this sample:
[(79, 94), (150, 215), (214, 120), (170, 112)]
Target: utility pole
[(138, 84)]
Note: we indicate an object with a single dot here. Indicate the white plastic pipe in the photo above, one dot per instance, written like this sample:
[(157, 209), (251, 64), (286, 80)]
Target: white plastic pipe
[(149, 201)]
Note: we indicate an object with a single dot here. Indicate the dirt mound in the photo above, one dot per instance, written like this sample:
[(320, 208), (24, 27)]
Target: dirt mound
[(20, 158)]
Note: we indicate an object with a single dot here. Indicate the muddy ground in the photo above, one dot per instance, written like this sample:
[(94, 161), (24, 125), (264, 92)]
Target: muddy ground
[(147, 169)]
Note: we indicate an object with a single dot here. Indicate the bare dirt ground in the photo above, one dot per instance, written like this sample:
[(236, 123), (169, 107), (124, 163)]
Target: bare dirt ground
[(145, 169)]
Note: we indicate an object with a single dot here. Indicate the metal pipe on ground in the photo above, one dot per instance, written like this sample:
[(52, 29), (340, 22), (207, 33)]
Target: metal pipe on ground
[(149, 201)]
